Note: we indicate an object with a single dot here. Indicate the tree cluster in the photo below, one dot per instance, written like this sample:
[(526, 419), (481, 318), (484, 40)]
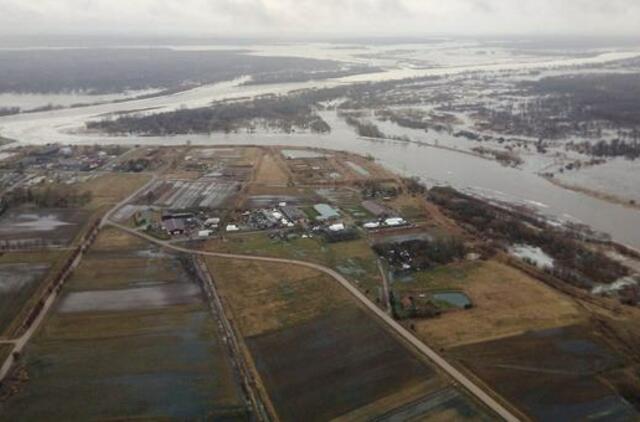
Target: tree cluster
[(281, 112), (574, 262), (421, 254), (53, 196)]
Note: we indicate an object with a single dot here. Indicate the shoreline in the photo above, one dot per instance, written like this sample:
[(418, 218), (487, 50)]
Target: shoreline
[(611, 198)]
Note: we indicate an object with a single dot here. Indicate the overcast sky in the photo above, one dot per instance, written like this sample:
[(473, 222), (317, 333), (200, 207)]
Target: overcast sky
[(319, 17)]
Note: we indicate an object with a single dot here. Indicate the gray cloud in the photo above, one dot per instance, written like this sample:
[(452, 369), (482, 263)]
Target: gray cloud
[(319, 17)]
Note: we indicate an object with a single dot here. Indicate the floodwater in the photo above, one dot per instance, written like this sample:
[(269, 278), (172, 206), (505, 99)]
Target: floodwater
[(14, 277), (27, 101), (432, 165), (457, 299), (129, 299)]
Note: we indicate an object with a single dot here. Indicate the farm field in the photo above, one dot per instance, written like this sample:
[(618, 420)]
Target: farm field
[(110, 188), (353, 259), (505, 302), (553, 374), (316, 351), (154, 347), (271, 171)]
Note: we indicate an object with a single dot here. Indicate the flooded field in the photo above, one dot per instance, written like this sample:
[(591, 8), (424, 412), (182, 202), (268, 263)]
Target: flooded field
[(563, 381), (155, 351), (36, 227), (18, 281), (127, 299)]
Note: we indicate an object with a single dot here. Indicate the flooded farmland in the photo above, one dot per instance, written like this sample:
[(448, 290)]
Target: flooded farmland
[(23, 227), (124, 341), (18, 281), (126, 299)]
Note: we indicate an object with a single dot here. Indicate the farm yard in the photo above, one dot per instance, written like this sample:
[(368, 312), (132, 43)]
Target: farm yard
[(317, 353), (135, 314)]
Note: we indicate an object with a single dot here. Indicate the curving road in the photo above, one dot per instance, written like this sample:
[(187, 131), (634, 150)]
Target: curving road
[(459, 377)]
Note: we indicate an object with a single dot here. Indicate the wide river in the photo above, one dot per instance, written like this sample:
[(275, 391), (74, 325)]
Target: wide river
[(433, 165)]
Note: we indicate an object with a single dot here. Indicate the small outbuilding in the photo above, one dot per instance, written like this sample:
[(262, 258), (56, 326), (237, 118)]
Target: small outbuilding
[(326, 212)]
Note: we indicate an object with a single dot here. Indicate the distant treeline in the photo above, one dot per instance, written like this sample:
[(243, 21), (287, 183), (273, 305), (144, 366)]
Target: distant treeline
[(293, 75), (277, 112), (614, 148), (365, 129), (610, 97), (8, 111), (574, 263)]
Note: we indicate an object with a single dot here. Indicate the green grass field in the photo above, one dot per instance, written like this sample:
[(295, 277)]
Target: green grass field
[(444, 277), (354, 259)]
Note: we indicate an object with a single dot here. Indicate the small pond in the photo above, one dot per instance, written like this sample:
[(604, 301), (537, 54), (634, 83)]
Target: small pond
[(453, 299)]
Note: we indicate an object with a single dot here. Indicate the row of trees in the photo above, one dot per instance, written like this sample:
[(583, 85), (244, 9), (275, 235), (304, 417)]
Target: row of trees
[(574, 262), (613, 148), (421, 254), (55, 196)]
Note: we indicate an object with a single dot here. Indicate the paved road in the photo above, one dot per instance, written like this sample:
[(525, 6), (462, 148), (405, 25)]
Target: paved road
[(460, 378)]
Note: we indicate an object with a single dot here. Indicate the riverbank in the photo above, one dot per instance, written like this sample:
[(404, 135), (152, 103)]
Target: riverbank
[(613, 199)]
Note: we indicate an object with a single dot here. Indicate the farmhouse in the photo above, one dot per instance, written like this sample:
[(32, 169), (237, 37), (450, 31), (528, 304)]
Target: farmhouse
[(174, 226)]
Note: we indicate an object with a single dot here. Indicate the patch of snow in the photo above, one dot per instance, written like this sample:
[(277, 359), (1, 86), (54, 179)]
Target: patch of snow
[(533, 254)]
